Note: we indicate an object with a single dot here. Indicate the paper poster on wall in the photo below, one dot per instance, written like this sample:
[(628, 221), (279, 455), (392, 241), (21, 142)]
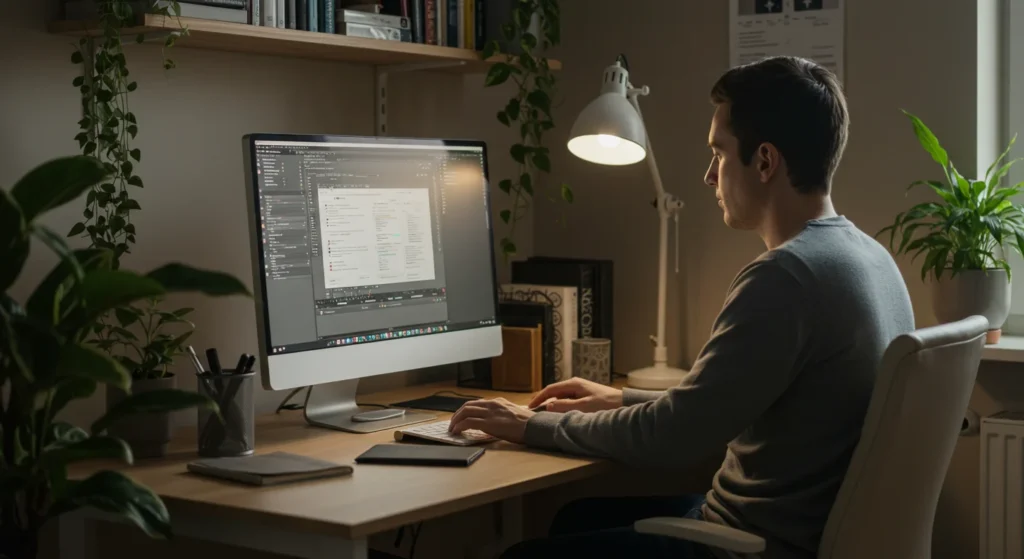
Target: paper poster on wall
[(811, 29)]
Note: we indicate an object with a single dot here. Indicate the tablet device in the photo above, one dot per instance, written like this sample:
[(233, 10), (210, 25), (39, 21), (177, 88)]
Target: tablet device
[(420, 455)]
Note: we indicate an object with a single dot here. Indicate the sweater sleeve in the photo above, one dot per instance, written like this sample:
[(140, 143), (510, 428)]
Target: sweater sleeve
[(757, 345)]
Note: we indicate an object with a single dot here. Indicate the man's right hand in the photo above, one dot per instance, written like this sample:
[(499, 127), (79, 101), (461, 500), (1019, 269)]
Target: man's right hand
[(578, 394)]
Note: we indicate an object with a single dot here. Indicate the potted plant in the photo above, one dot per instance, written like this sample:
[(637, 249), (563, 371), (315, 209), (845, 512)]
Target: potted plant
[(533, 27), (47, 361), (963, 236), (145, 340)]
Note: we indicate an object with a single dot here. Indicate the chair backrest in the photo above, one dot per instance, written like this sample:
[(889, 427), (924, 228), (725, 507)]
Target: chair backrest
[(886, 505)]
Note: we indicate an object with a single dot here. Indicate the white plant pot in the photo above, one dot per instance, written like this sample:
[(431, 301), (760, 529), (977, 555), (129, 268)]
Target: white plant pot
[(973, 292)]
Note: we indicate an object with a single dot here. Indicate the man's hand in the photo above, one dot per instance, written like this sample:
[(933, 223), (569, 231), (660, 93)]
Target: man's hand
[(578, 394), (498, 418)]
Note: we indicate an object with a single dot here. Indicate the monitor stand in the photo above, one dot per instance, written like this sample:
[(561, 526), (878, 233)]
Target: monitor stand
[(333, 405)]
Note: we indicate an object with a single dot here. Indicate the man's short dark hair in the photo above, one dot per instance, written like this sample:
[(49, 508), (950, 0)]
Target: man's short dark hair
[(794, 104)]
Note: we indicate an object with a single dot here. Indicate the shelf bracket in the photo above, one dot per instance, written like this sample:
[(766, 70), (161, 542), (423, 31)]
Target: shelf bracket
[(380, 111)]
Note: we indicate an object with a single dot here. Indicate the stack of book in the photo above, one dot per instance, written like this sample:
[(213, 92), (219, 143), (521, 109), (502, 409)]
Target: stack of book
[(233, 11)]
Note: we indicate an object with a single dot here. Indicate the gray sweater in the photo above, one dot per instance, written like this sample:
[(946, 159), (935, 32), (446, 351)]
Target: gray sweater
[(783, 383)]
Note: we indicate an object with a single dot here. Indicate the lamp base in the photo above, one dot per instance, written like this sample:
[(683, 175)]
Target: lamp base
[(658, 377)]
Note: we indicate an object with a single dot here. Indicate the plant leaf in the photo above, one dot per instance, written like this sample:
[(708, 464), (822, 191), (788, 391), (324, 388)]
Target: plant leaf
[(505, 215), (56, 183), (115, 493), (928, 141), (14, 240), (68, 389), (988, 173), (497, 74), (567, 194), (176, 277), (154, 401), (84, 362), (91, 448), (102, 290), (505, 185), (43, 300)]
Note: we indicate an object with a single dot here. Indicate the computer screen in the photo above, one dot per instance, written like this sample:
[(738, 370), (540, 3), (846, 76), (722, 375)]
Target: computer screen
[(366, 240)]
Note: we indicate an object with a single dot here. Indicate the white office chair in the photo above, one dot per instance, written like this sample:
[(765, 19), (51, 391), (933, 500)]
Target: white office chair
[(885, 507)]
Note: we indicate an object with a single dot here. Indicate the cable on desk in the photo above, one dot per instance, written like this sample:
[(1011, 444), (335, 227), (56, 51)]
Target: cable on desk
[(415, 537)]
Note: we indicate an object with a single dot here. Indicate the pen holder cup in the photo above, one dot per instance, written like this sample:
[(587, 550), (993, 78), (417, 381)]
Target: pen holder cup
[(233, 433)]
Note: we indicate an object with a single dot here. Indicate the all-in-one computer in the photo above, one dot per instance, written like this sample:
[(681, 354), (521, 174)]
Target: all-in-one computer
[(370, 255)]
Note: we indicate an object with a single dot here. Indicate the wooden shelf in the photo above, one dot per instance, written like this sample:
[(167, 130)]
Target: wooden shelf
[(236, 37)]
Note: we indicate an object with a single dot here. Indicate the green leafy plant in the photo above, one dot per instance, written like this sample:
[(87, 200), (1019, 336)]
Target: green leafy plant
[(530, 106), (108, 127), (46, 362), (143, 338), (970, 225)]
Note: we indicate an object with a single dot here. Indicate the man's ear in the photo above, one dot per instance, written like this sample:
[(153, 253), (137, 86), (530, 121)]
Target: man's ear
[(768, 160)]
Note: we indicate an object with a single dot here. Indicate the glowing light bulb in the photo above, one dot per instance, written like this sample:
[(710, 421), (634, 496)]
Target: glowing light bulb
[(607, 141)]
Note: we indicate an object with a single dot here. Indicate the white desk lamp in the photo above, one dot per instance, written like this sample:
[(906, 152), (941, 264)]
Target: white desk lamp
[(610, 131)]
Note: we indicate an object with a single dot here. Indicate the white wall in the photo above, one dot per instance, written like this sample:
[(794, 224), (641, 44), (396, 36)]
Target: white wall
[(191, 120), (921, 55)]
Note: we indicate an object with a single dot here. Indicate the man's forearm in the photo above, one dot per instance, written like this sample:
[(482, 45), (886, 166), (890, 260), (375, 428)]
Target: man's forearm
[(631, 396)]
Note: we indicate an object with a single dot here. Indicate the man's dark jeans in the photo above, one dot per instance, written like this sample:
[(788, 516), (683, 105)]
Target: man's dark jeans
[(603, 527)]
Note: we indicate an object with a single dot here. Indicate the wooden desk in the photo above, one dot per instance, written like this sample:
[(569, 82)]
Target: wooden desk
[(334, 517)]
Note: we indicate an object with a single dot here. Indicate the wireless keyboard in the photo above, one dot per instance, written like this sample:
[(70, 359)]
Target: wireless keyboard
[(437, 431)]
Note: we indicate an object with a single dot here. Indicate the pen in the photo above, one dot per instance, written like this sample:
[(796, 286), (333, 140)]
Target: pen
[(250, 363), (213, 360), (240, 366), (196, 362)]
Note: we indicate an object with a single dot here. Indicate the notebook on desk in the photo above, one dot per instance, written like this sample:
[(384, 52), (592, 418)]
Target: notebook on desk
[(268, 469)]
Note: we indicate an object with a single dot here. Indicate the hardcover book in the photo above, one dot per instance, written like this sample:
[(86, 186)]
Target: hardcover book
[(564, 311)]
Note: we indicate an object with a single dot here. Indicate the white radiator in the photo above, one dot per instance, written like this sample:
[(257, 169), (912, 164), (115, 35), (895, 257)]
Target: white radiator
[(1002, 487)]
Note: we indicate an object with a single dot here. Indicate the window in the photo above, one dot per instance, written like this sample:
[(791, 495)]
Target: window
[(1013, 84)]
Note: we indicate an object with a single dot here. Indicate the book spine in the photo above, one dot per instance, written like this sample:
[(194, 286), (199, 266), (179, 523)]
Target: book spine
[(586, 298), (452, 20), (430, 22), (327, 17), (442, 21), (282, 14), (416, 20), (480, 27), (291, 14), (467, 24), (255, 14), (302, 15), (236, 4), (313, 14), (269, 9)]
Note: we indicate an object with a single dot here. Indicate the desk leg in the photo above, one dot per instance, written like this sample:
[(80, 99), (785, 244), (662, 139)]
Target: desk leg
[(76, 541), (508, 526)]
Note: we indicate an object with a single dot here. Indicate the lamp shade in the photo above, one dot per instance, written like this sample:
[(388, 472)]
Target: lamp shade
[(609, 131)]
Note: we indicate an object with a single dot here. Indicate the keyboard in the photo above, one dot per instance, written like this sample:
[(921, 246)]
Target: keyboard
[(437, 431)]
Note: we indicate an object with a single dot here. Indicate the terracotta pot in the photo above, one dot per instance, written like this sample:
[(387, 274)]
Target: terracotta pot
[(148, 434), (973, 292)]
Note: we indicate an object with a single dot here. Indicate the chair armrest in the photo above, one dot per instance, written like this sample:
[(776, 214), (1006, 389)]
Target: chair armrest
[(706, 533)]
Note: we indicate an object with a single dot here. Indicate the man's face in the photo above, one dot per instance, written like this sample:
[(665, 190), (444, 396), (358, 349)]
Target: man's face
[(738, 187)]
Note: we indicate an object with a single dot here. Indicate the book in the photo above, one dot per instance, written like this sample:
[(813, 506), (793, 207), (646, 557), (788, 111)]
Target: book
[(534, 314), (519, 367), (430, 22), (564, 311), (268, 469), (594, 281), (86, 10)]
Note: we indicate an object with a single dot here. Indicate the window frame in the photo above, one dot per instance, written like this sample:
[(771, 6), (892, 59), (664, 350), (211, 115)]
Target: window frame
[(1013, 109)]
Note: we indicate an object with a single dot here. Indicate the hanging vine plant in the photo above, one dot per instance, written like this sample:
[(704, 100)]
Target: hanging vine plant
[(533, 28), (108, 127)]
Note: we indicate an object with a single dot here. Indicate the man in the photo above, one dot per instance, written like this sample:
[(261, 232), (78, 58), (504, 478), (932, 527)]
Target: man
[(785, 379)]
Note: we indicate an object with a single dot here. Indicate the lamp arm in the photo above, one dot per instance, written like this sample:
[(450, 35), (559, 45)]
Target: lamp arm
[(667, 206)]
